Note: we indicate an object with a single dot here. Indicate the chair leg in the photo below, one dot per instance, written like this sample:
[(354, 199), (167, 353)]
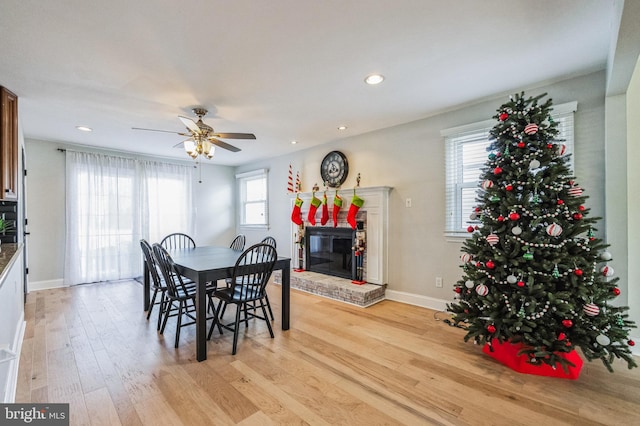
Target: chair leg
[(163, 307), (266, 298), (235, 331), (266, 319), (153, 302), (166, 315), (179, 325)]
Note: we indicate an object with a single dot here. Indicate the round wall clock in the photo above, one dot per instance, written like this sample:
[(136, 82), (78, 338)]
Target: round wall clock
[(334, 169)]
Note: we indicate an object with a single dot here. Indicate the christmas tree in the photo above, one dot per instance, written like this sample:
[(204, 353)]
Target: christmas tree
[(534, 273)]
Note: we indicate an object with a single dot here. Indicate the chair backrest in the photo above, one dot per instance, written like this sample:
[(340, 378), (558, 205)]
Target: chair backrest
[(177, 241), (147, 251), (238, 242), (269, 240), (167, 267), (252, 271)]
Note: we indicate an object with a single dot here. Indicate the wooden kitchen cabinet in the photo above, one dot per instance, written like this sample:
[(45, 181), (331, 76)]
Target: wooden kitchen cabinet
[(8, 145)]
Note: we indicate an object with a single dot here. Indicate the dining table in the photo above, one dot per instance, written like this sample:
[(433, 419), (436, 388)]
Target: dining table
[(209, 264)]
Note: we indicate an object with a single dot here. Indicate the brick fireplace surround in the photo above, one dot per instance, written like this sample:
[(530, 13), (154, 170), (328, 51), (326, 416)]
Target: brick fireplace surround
[(374, 213)]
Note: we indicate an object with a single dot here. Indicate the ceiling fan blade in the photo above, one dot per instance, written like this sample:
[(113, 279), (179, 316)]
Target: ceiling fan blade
[(156, 130), (234, 135), (224, 145), (191, 125)]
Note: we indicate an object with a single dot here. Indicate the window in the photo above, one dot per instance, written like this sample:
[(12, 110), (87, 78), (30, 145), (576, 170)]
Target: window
[(253, 198), (466, 154)]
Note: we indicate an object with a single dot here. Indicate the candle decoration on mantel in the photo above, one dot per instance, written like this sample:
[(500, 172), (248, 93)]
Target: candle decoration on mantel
[(356, 204)]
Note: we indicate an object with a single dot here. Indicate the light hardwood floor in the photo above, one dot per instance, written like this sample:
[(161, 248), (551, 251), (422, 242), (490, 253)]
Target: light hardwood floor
[(391, 363)]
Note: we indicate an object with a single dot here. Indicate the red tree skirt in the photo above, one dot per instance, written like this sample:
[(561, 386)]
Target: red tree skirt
[(507, 354)]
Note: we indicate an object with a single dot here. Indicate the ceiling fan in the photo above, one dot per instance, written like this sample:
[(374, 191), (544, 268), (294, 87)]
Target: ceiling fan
[(202, 138)]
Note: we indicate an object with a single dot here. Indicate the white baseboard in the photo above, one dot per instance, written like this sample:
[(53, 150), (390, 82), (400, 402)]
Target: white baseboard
[(44, 285), (12, 379), (417, 300)]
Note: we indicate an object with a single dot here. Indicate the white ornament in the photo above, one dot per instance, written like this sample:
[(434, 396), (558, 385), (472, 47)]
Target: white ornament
[(561, 149), (486, 184), (603, 340), (554, 229), (607, 271), (466, 257), (492, 239), (531, 129), (534, 164), (482, 290), (605, 255), (516, 230), (512, 279), (469, 284), (473, 216)]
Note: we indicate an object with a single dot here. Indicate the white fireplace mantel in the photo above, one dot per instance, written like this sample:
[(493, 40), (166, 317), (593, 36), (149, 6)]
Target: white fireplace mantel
[(376, 206)]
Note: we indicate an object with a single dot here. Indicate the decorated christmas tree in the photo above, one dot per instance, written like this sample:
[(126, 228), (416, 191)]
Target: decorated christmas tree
[(534, 273)]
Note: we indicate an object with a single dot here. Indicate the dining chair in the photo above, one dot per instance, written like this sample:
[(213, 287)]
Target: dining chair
[(238, 242), (177, 240), (157, 283), (251, 274), (272, 242), (179, 292)]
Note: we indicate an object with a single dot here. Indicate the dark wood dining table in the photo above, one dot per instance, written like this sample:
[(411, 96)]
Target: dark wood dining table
[(212, 263)]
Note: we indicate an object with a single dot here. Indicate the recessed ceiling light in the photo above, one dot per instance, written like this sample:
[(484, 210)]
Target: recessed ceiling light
[(374, 79), (294, 142), (342, 128), (84, 128)]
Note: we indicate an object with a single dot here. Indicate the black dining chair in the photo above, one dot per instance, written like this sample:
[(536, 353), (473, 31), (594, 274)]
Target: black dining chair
[(251, 274), (272, 242), (157, 283), (179, 292), (177, 240), (238, 242)]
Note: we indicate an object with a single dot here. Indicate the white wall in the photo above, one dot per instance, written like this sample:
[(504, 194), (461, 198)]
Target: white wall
[(410, 158), (633, 197), (215, 223)]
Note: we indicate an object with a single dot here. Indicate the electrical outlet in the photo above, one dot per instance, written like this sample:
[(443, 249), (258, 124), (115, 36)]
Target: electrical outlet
[(408, 202), (439, 282)]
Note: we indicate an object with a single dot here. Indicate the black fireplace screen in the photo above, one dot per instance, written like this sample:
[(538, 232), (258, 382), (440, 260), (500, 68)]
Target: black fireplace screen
[(329, 251)]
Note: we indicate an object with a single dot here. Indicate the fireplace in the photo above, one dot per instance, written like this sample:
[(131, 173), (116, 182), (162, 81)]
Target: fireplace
[(329, 251)]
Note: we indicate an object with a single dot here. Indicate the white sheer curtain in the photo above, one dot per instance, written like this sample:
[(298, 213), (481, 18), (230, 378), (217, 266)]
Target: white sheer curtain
[(113, 202)]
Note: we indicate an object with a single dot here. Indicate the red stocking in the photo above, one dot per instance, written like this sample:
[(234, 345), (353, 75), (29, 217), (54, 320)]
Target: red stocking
[(296, 216), (356, 203), (324, 218), (315, 203), (337, 205)]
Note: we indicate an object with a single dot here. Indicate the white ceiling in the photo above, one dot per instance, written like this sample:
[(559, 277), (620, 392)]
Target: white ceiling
[(282, 69)]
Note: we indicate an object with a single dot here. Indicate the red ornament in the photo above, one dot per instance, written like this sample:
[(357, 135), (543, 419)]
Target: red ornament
[(549, 146), (509, 187), (561, 336), (520, 283), (491, 329), (567, 323), (514, 216), (466, 311), (616, 291), (631, 343), (581, 208), (521, 144), (478, 209), (578, 272), (478, 264), (577, 216), (568, 343), (457, 290), (560, 202), (470, 228), (497, 171), (490, 264), (500, 218), (503, 116)]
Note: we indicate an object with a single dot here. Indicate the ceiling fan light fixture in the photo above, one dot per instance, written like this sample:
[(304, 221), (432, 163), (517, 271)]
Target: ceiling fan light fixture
[(84, 128), (373, 79)]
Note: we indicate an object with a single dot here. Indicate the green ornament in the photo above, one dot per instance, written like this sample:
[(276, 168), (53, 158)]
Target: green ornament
[(590, 234), (555, 273), (492, 156), (535, 199), (620, 322), (521, 312), (506, 151), (527, 256), (494, 198)]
